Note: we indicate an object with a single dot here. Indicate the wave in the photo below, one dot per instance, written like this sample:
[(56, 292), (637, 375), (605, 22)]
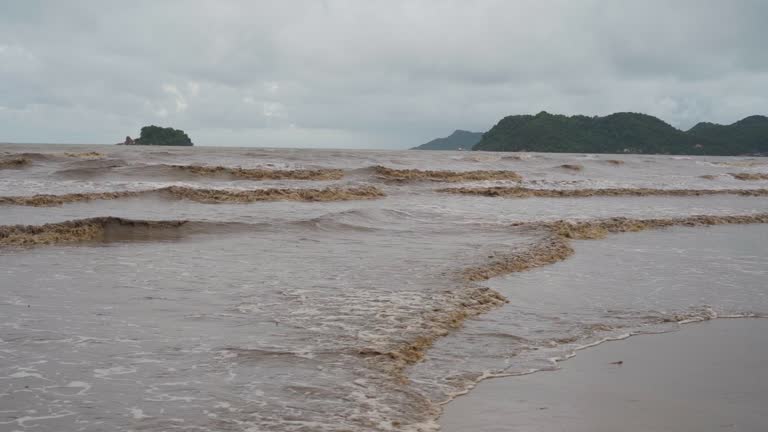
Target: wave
[(85, 155), (456, 307), (33, 156), (207, 196), (14, 162), (262, 174), (110, 229), (600, 228), (84, 169), (522, 192), (275, 194), (571, 167), (517, 157), (406, 175), (443, 313), (554, 246), (115, 229), (551, 249), (749, 176), (743, 164), (52, 156), (374, 218), (76, 230), (184, 172), (480, 157)]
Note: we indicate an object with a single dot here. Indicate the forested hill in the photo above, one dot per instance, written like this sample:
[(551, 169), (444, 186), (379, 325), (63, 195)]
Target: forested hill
[(458, 140), (623, 133), (747, 136)]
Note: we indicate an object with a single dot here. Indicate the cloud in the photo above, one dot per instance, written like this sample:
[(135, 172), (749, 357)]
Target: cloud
[(369, 74)]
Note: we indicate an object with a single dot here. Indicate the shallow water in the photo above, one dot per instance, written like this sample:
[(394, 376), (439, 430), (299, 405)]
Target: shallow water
[(708, 376), (290, 316), (626, 284)]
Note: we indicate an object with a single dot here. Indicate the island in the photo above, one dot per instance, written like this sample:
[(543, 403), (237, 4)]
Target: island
[(624, 132), (161, 136)]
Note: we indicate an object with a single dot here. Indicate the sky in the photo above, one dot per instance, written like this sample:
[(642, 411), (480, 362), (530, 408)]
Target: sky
[(368, 73)]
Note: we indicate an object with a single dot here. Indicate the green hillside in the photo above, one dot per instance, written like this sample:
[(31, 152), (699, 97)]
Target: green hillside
[(746, 136), (623, 133)]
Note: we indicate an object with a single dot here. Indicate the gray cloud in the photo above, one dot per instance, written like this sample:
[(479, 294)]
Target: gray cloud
[(367, 74)]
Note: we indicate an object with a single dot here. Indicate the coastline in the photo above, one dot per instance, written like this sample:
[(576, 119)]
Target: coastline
[(710, 376)]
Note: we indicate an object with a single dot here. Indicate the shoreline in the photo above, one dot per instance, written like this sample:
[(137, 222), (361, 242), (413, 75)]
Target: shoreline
[(590, 391)]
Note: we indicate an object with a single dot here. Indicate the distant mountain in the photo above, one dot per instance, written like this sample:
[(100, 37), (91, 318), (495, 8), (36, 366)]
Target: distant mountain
[(459, 139), (623, 133)]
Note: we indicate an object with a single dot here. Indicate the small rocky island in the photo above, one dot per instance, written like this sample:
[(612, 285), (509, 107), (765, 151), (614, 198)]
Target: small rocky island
[(162, 136)]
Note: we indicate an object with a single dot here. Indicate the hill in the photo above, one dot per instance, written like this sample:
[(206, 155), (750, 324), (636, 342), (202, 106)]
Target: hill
[(459, 139), (747, 136), (623, 133)]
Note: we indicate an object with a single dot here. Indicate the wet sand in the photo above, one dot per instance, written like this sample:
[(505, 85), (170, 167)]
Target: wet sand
[(710, 376)]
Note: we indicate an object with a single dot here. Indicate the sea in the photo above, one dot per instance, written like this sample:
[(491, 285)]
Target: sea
[(213, 289)]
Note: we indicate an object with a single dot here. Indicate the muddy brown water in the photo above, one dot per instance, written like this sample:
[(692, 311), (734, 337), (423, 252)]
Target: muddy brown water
[(338, 315)]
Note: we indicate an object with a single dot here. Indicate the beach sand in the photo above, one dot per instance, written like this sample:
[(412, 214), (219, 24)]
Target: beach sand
[(710, 376)]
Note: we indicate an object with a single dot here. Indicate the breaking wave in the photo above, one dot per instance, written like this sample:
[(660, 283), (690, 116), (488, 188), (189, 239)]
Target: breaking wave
[(522, 192), (475, 299), (572, 167), (749, 176), (440, 313), (32, 156), (406, 175), (262, 174), (85, 155), (597, 229), (181, 172), (744, 163), (100, 228), (14, 162), (208, 196)]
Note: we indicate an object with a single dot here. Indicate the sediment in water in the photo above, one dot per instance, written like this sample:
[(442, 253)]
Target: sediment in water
[(275, 194), (600, 228), (553, 247), (749, 176), (572, 167), (744, 163), (14, 162), (262, 174), (455, 308), (75, 231), (549, 250), (44, 200), (31, 156), (521, 192), (442, 176), (614, 162), (84, 155), (209, 196)]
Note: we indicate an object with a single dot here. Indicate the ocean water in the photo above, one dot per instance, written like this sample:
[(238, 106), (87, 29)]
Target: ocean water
[(340, 315)]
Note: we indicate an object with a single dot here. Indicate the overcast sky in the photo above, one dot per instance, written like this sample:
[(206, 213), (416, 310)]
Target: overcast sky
[(356, 73)]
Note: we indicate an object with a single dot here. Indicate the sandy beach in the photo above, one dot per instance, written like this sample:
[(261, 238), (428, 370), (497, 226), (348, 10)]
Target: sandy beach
[(710, 376)]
